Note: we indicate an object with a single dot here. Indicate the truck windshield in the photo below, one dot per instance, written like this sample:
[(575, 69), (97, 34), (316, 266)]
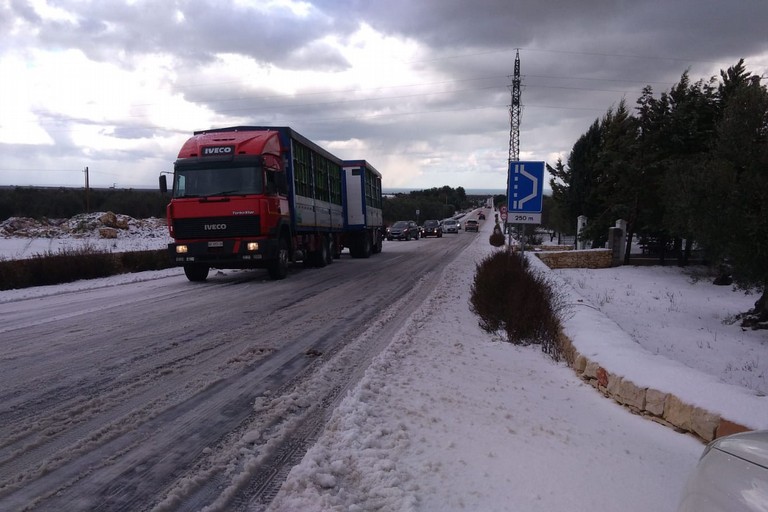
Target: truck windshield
[(218, 181)]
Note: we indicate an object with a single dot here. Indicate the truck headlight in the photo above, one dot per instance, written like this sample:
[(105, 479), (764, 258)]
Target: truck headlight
[(181, 249), (252, 246)]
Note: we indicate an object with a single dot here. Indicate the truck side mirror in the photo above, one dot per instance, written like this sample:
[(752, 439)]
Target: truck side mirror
[(163, 184)]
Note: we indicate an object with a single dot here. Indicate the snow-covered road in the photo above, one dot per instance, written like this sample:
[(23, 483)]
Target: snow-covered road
[(445, 418), (173, 395)]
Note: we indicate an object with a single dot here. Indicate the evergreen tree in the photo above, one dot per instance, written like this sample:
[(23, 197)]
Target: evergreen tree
[(733, 219)]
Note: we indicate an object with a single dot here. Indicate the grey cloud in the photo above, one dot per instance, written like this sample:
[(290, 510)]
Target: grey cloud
[(116, 31)]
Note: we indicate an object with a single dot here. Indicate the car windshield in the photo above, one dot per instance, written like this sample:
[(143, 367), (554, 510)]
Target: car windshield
[(430, 224), (400, 224), (449, 222)]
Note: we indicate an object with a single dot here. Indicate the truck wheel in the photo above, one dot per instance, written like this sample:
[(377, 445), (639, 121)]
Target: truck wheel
[(365, 246), (278, 268), (196, 273), (320, 256), (331, 251)]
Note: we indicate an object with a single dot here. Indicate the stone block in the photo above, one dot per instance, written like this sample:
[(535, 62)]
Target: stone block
[(613, 384), (726, 428), (602, 377), (704, 424), (107, 232), (629, 394), (654, 402), (678, 413), (590, 370)]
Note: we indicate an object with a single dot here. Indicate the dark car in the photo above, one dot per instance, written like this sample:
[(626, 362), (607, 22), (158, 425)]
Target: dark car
[(472, 225), (432, 228), (403, 230)]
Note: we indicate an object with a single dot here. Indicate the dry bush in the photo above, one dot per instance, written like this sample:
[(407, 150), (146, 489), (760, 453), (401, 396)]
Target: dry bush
[(497, 237), (74, 264), (509, 296)]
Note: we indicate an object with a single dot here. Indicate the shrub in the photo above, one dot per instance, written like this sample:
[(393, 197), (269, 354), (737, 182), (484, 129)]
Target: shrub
[(74, 264), (509, 296), (497, 237)]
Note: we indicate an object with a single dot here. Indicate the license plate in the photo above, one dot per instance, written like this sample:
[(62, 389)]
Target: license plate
[(215, 244)]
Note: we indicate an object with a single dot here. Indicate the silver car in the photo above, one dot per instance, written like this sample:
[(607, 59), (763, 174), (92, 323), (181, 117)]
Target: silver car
[(450, 226), (731, 476)]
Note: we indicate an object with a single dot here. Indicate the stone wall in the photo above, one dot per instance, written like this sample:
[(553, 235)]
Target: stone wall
[(659, 406), (588, 258)]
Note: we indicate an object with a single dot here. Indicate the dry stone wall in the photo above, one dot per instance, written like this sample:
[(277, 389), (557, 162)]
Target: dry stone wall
[(662, 407), (657, 405), (589, 258)]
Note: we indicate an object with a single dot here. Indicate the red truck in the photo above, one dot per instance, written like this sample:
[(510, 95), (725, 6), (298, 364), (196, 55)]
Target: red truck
[(263, 197)]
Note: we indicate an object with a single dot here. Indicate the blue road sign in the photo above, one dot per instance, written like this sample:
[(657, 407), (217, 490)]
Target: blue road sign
[(525, 193)]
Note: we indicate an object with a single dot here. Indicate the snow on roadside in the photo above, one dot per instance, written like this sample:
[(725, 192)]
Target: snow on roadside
[(680, 315), (450, 418), (23, 237)]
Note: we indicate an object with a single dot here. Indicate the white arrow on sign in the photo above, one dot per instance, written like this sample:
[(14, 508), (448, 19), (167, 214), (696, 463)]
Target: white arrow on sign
[(518, 205)]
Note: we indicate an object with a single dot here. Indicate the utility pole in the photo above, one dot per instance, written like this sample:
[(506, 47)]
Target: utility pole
[(514, 114), (515, 109), (87, 198)]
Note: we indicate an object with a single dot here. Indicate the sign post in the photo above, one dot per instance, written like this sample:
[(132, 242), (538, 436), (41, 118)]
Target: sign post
[(525, 194)]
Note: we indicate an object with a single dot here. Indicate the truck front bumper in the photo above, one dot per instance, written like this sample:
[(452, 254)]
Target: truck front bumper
[(224, 253)]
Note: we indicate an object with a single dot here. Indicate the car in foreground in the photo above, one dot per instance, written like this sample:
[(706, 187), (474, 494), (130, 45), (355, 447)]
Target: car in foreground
[(403, 230), (731, 475), (471, 225), (450, 226), (432, 228)]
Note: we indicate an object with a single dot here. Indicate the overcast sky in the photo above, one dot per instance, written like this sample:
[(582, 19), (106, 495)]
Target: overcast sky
[(420, 88)]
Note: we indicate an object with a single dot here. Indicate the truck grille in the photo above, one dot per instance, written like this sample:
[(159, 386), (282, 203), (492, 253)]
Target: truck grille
[(217, 227)]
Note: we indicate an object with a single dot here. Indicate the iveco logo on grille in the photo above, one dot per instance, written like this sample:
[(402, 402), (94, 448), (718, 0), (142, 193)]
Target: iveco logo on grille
[(214, 227), (218, 150)]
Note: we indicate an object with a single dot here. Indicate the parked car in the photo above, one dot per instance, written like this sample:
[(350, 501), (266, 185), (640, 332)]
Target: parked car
[(481, 216), (471, 225), (403, 230), (432, 228), (450, 226), (732, 476)]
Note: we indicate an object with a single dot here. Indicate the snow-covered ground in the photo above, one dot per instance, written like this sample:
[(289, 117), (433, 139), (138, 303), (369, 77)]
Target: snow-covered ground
[(22, 237), (449, 417)]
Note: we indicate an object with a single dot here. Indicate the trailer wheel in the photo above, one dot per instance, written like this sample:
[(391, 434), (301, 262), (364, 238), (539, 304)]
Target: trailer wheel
[(365, 246), (320, 257), (278, 268), (196, 273), (331, 254)]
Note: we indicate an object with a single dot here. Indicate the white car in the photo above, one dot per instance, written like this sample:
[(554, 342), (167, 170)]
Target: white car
[(450, 226), (731, 476)]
